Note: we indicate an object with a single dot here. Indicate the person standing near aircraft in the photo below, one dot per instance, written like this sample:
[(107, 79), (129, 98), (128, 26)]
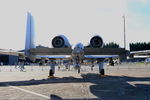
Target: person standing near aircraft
[(111, 62), (1, 63), (59, 64), (22, 66), (16, 65), (92, 65), (67, 65)]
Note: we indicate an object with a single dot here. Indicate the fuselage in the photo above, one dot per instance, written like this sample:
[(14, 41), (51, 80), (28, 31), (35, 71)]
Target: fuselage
[(78, 53)]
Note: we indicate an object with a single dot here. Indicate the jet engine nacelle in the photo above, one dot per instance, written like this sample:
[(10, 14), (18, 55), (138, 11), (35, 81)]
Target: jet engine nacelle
[(96, 42), (60, 41)]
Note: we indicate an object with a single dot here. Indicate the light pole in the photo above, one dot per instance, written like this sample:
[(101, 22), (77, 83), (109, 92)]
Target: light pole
[(124, 31)]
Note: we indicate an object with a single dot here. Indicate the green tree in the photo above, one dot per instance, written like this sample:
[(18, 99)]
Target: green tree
[(111, 45), (139, 46)]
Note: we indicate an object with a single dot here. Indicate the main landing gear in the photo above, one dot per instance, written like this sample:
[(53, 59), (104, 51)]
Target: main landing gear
[(101, 69), (51, 73)]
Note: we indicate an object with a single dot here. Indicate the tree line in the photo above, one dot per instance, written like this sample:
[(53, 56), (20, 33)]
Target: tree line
[(139, 46), (107, 45), (111, 45), (133, 46)]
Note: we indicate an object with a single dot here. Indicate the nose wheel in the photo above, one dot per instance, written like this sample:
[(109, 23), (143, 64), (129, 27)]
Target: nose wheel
[(77, 67)]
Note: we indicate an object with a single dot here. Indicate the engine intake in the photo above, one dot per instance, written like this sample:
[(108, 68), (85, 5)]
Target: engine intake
[(96, 42), (60, 42)]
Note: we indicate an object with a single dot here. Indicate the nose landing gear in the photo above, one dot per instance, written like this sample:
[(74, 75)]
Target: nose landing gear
[(78, 70), (77, 66)]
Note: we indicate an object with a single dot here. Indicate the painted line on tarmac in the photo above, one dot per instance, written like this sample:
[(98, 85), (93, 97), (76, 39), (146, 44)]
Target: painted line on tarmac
[(27, 91)]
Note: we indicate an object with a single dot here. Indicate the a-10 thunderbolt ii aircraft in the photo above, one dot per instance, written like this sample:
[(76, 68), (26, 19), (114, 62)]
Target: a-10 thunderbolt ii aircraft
[(62, 49)]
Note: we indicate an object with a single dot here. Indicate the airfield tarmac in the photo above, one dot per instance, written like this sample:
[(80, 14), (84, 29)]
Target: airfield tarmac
[(128, 81)]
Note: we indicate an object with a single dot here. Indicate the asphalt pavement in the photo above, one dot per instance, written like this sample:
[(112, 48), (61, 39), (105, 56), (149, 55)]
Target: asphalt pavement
[(128, 81)]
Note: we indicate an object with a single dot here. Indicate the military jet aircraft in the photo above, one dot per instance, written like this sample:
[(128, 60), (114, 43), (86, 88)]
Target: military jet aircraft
[(62, 49)]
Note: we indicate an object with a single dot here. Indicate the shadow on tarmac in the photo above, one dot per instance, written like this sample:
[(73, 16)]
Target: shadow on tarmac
[(104, 88)]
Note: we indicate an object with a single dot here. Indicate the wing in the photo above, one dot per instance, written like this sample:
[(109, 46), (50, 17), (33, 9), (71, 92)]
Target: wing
[(103, 53), (54, 57), (142, 53), (100, 56), (52, 53), (10, 52)]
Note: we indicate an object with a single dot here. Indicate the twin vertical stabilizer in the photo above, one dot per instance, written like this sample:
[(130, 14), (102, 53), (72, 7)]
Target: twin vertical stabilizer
[(30, 34)]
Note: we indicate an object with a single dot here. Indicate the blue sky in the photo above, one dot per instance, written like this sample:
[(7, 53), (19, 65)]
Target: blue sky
[(138, 15), (141, 9), (78, 20)]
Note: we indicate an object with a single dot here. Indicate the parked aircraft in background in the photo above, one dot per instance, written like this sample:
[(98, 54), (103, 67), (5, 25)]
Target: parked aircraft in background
[(142, 53)]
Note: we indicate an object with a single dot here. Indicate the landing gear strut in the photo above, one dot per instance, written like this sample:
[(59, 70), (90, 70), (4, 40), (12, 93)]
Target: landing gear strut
[(51, 73), (102, 72), (52, 68), (101, 68), (78, 70)]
